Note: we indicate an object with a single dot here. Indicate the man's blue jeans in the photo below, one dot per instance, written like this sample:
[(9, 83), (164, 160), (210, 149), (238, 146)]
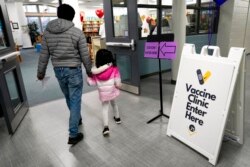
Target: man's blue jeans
[(71, 83)]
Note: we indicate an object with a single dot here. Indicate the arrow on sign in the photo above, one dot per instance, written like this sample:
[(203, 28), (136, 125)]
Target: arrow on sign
[(166, 49)]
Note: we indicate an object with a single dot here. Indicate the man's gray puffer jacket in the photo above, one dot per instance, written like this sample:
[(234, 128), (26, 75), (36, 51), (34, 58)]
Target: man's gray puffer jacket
[(65, 44)]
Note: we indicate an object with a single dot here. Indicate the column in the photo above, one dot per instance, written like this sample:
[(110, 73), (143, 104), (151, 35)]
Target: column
[(179, 29), (234, 23), (75, 5)]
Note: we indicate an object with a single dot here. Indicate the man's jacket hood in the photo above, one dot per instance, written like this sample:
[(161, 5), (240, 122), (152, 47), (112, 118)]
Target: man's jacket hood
[(59, 26)]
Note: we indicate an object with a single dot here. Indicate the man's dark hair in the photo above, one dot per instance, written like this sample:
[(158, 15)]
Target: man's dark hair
[(66, 12), (104, 56)]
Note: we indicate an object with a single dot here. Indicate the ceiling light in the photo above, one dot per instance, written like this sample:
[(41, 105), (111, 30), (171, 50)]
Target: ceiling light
[(96, 6), (55, 1), (33, 0)]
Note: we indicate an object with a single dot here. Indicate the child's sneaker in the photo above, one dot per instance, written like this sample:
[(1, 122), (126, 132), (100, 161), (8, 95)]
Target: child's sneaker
[(105, 131), (117, 120)]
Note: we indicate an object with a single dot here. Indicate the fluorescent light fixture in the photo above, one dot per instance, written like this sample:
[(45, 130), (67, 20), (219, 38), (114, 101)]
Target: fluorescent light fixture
[(33, 0), (101, 6), (80, 2), (55, 1)]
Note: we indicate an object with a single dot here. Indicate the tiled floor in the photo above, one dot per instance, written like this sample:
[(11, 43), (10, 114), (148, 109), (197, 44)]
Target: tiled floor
[(41, 139)]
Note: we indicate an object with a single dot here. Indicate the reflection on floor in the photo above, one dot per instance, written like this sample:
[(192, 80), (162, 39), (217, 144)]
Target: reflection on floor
[(41, 139)]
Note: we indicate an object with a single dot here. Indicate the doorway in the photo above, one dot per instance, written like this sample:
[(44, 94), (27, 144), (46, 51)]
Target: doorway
[(127, 24)]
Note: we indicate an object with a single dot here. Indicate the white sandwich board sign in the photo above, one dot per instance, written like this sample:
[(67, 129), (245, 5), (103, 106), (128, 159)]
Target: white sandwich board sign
[(202, 99)]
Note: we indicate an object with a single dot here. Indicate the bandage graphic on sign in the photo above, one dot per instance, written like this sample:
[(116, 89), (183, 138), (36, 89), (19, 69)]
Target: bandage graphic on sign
[(203, 78), (206, 76), (200, 77)]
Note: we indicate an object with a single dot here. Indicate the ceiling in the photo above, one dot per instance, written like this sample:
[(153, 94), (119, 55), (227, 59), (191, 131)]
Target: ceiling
[(84, 3)]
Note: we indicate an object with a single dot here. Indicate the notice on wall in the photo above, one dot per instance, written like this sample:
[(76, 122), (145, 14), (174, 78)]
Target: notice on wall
[(200, 104)]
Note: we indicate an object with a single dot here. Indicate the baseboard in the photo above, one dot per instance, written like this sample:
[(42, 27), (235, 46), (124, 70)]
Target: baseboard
[(31, 47), (154, 73), (173, 82)]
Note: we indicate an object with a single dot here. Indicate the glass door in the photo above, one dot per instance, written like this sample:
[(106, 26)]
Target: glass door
[(121, 37), (13, 100)]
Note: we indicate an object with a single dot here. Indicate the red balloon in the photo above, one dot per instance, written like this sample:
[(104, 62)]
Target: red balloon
[(82, 14), (99, 13)]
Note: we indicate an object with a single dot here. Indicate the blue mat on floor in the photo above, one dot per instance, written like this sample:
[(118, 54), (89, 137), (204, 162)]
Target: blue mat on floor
[(36, 92)]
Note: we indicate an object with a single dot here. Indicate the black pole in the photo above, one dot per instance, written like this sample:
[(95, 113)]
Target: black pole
[(160, 81), (161, 99), (60, 2), (160, 38)]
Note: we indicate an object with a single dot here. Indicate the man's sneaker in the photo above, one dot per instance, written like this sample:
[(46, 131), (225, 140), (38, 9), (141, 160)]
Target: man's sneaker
[(117, 120), (80, 122), (74, 140), (105, 131)]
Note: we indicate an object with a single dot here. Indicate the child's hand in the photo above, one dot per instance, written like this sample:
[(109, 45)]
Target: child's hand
[(91, 81), (89, 74), (88, 81), (118, 85)]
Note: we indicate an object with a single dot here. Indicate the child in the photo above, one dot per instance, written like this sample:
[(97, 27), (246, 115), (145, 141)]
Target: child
[(107, 77)]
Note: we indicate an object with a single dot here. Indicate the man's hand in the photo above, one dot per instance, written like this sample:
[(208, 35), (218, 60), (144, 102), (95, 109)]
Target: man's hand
[(89, 74), (40, 76)]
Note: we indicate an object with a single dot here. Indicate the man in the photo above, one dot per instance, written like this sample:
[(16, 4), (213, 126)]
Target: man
[(67, 47)]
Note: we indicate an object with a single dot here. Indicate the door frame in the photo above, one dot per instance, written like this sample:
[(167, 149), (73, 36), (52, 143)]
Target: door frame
[(134, 85)]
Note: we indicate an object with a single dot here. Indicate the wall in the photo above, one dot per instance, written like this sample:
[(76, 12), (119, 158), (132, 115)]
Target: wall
[(201, 40), (232, 30), (247, 35), (17, 15), (13, 16)]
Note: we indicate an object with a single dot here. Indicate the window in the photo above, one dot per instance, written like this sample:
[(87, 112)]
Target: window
[(31, 8), (3, 42), (120, 19), (207, 20), (166, 21), (36, 20), (202, 17), (191, 27), (148, 18), (156, 17), (148, 2), (40, 14), (45, 20), (47, 9)]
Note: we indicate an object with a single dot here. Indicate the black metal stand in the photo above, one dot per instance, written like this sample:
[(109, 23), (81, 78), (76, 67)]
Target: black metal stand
[(161, 103), (159, 38)]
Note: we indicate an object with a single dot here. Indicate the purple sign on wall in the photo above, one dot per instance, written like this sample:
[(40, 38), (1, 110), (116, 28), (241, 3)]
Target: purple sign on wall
[(167, 50), (151, 50)]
